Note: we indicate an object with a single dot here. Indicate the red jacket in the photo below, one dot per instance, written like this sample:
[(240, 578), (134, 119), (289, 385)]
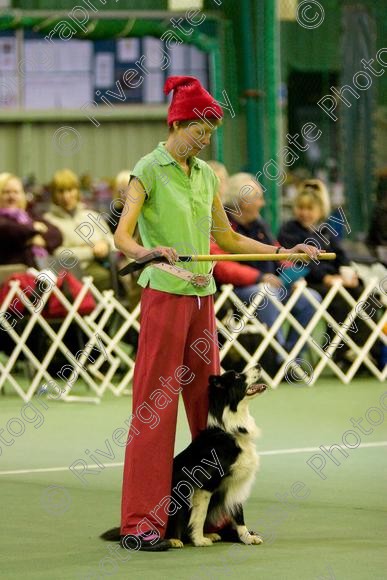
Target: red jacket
[(233, 272)]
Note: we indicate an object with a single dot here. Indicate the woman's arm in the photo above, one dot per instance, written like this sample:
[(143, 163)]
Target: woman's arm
[(123, 237), (231, 241), (11, 232), (52, 237)]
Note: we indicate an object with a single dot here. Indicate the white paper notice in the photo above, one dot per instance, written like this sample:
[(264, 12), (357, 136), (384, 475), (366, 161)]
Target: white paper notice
[(185, 4), (180, 58), (74, 55), (153, 88), (8, 54), (9, 90), (104, 70), (47, 91), (128, 49)]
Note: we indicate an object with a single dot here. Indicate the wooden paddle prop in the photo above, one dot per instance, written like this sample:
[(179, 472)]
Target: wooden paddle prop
[(158, 257)]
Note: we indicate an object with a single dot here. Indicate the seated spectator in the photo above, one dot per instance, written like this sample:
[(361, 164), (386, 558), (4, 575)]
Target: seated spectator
[(121, 183), (84, 231), (221, 172), (311, 208), (249, 278), (127, 285), (25, 237)]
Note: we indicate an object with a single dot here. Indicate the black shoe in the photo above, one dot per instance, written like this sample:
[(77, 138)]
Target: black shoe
[(145, 543)]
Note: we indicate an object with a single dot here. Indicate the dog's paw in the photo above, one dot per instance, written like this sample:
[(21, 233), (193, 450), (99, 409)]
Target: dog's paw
[(213, 537), (174, 543), (251, 539), (256, 539), (201, 542)]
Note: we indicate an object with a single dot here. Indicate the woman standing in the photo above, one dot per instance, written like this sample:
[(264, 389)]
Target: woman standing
[(173, 196)]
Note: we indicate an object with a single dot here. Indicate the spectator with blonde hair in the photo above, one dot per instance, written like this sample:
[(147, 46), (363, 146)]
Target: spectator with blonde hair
[(320, 189), (311, 209), (243, 201), (25, 237), (85, 232)]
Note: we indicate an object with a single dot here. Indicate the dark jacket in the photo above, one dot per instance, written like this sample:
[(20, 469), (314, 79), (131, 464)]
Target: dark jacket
[(258, 230), (292, 233), (377, 235), (14, 238)]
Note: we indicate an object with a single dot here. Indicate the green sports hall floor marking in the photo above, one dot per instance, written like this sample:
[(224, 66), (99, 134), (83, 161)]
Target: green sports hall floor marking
[(50, 520)]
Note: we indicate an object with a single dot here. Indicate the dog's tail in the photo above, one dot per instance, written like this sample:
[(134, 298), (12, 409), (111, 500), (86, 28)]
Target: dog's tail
[(112, 535)]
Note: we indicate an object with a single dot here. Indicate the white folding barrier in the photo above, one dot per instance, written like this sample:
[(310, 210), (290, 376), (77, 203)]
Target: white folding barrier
[(92, 330), (106, 330), (291, 365)]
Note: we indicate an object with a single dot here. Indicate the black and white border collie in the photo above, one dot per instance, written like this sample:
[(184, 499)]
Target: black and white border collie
[(221, 464), (213, 476)]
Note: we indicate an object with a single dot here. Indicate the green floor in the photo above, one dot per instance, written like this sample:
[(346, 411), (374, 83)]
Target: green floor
[(338, 531)]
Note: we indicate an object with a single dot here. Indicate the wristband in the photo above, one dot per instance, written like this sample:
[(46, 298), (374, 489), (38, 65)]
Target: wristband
[(278, 250)]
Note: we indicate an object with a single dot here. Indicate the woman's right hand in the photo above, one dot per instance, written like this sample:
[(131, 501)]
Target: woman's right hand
[(169, 253)]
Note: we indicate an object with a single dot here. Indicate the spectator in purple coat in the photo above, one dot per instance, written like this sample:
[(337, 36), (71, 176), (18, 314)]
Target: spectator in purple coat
[(25, 237)]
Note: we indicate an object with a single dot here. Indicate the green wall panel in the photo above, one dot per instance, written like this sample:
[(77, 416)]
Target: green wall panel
[(102, 151), (30, 144), (109, 4)]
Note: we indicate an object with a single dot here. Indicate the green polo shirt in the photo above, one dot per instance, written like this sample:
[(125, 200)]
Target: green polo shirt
[(176, 213)]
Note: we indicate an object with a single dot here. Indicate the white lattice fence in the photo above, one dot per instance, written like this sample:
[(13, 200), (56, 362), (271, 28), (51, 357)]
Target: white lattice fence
[(93, 331), (106, 330), (290, 364)]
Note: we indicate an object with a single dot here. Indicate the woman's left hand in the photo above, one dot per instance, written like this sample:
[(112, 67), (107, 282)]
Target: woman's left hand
[(312, 251)]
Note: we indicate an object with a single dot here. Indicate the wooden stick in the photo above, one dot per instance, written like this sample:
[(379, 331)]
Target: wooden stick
[(253, 257), (156, 257)]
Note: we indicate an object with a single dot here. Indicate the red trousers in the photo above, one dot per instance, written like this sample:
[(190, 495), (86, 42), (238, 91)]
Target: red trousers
[(165, 365)]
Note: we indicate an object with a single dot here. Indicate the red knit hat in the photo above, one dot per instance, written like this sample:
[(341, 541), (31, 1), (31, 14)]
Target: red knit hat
[(188, 95)]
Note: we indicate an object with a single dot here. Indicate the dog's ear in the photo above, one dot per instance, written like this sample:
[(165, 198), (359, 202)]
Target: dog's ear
[(214, 381)]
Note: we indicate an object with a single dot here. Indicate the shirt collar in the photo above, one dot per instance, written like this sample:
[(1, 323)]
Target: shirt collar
[(163, 156)]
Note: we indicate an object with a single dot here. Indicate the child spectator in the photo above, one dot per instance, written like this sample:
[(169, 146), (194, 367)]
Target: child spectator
[(25, 237), (84, 231)]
